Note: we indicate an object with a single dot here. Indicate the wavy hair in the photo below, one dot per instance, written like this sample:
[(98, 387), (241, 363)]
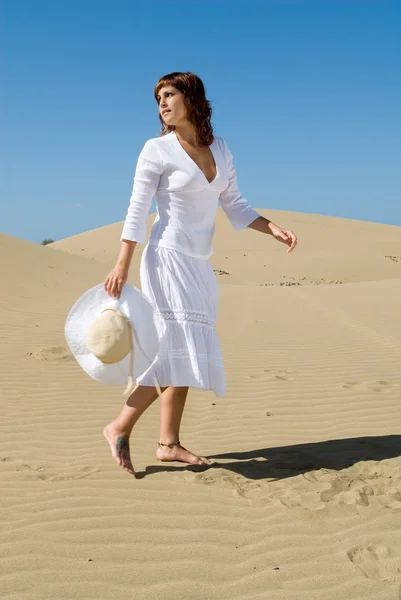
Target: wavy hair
[(199, 111)]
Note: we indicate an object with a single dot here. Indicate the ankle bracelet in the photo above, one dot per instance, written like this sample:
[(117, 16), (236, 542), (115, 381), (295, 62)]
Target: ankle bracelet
[(170, 445)]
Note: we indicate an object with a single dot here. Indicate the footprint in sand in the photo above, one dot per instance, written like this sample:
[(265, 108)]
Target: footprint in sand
[(81, 474), (53, 354), (45, 474), (367, 483), (30, 467), (350, 385), (275, 375), (376, 562), (345, 490), (382, 386), (240, 485), (371, 386)]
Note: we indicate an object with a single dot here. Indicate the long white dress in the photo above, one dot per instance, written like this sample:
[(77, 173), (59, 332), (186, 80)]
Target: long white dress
[(175, 272)]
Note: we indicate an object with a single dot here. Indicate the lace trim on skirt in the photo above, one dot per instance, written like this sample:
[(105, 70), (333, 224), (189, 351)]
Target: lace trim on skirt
[(185, 315)]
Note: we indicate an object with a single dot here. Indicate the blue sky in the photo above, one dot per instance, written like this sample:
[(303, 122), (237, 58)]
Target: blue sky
[(306, 93)]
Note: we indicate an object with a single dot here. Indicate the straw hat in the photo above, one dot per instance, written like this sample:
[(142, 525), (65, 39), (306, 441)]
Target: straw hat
[(114, 340)]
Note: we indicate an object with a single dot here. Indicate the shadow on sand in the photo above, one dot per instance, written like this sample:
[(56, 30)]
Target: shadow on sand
[(287, 461)]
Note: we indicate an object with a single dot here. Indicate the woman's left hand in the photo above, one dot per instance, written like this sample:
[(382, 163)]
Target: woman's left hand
[(284, 235)]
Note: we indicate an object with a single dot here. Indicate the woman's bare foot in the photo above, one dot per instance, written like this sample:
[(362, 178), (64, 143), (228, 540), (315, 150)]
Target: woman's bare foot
[(179, 453), (119, 444)]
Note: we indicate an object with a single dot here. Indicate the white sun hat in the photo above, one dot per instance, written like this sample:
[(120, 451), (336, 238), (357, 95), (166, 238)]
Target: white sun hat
[(114, 340)]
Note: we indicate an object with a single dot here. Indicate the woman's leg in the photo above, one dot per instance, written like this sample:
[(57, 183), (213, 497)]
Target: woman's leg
[(172, 404), (118, 431)]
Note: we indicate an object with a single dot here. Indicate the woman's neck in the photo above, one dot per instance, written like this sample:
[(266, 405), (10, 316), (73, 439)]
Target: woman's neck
[(186, 133)]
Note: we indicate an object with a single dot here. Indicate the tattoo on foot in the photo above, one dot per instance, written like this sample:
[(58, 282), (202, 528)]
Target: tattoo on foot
[(122, 444)]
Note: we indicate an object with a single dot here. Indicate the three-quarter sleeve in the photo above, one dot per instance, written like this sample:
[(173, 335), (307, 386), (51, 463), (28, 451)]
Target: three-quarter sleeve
[(236, 207), (146, 181)]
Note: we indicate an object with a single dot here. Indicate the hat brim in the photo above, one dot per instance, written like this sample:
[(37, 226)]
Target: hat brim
[(134, 305)]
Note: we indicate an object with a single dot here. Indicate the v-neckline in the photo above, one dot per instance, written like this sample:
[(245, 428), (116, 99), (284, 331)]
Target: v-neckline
[(196, 164)]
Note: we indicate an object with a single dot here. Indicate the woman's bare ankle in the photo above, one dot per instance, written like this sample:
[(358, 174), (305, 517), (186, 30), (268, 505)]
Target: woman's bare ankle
[(118, 428), (174, 451)]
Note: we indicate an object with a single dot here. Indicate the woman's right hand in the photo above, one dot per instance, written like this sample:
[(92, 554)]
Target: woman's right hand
[(115, 281)]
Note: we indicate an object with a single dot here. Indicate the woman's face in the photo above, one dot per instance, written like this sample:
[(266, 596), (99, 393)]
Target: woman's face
[(171, 106)]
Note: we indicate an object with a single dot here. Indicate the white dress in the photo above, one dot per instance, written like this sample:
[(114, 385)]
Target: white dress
[(175, 272)]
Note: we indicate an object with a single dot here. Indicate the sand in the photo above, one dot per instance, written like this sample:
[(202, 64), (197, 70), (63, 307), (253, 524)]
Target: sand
[(303, 499)]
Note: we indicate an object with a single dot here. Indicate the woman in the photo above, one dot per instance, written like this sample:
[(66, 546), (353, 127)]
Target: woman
[(189, 170)]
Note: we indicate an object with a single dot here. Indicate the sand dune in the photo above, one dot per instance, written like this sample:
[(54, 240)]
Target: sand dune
[(331, 250), (303, 499)]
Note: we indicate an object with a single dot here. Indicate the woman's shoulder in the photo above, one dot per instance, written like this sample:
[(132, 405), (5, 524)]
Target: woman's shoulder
[(220, 143), (153, 147), (159, 141), (222, 146)]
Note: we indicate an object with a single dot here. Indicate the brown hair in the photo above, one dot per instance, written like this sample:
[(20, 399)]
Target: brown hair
[(199, 110)]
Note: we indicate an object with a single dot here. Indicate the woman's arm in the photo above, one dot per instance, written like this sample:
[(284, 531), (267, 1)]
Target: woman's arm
[(238, 210), (118, 276), (282, 235), (261, 224), (146, 181), (126, 252)]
